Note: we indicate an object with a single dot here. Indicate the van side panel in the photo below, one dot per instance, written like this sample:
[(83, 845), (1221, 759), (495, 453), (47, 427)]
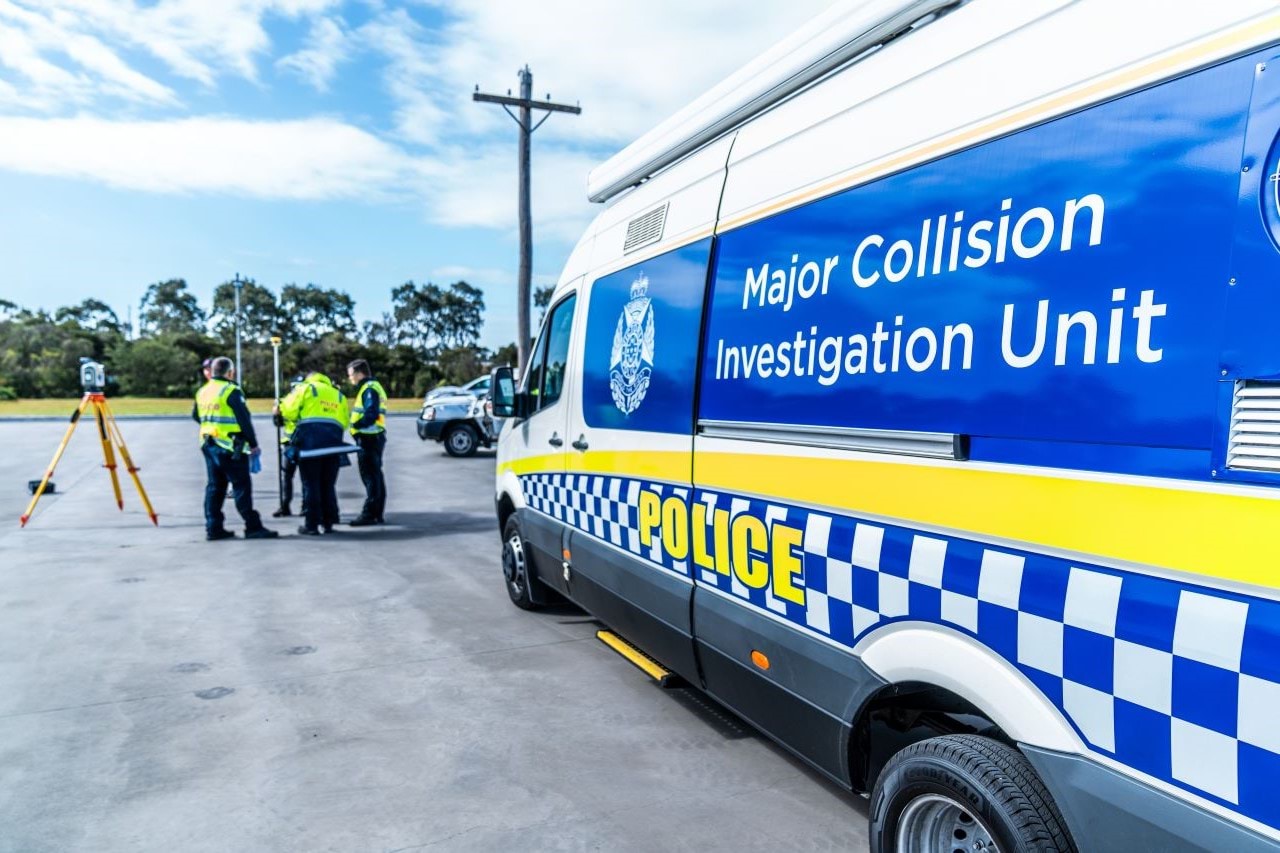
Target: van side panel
[(640, 348), (982, 394), (1061, 285)]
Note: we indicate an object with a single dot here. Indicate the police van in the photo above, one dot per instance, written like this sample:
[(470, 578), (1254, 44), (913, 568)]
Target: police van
[(916, 395)]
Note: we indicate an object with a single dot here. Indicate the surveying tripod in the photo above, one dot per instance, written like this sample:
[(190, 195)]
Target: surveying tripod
[(109, 434)]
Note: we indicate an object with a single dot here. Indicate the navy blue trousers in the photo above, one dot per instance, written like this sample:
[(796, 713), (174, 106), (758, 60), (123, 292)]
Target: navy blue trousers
[(222, 468)]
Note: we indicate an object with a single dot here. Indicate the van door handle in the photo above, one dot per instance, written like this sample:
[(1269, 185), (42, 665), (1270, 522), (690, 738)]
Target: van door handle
[(581, 443), (555, 440)]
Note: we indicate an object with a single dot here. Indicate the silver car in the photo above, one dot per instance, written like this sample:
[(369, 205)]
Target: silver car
[(461, 422), (477, 387)]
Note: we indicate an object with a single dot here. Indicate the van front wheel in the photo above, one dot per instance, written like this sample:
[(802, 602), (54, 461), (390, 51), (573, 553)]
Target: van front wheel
[(964, 793), (515, 566)]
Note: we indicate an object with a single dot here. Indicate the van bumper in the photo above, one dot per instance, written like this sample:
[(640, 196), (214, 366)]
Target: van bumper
[(1106, 811)]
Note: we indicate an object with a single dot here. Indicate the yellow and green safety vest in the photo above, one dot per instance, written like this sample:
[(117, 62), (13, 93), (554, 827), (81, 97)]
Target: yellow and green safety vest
[(217, 420), (357, 411), (315, 401)]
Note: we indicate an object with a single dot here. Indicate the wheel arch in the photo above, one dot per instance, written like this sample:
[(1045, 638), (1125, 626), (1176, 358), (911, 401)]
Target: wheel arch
[(932, 669)]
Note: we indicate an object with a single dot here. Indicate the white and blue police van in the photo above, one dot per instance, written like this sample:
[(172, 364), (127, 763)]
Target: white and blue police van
[(916, 395)]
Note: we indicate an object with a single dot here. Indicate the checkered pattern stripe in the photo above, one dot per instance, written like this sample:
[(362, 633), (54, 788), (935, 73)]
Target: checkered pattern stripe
[(605, 507), (1178, 681)]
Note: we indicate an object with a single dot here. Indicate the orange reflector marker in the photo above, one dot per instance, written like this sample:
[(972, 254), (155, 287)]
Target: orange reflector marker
[(759, 659), (567, 555)]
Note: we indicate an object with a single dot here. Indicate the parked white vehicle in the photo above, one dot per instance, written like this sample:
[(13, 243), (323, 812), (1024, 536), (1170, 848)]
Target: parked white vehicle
[(461, 422), (477, 387)]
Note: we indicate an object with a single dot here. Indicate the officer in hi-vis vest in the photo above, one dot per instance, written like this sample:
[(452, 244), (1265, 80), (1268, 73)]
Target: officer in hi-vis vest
[(227, 441), (289, 464), (369, 426), (318, 412)]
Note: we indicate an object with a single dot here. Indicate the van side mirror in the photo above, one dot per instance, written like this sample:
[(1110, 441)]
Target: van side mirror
[(502, 392)]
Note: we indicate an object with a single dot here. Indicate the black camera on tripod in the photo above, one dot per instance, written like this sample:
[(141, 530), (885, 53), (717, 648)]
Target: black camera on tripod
[(93, 375)]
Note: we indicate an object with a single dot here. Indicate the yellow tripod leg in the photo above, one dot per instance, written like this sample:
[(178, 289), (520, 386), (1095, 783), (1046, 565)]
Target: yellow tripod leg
[(108, 452), (114, 430), (48, 475)]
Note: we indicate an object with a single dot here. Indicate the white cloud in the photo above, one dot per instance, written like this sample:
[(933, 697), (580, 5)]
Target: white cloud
[(479, 190), (327, 47), (28, 39), (629, 65), (311, 159), (410, 76), (194, 39), (485, 277)]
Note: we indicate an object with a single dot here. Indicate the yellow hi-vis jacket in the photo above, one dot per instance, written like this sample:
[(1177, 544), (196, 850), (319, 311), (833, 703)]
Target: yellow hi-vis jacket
[(217, 420), (357, 411), (315, 401)]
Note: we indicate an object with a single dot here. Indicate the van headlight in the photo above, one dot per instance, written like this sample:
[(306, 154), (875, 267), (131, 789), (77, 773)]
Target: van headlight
[(428, 413)]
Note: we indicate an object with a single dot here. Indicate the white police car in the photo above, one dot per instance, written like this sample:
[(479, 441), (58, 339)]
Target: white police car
[(924, 379)]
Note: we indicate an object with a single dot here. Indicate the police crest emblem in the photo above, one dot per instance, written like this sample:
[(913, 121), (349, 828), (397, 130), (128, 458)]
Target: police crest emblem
[(631, 361)]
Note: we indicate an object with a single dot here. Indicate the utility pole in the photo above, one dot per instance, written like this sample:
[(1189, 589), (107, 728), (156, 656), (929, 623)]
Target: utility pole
[(526, 105), (238, 284)]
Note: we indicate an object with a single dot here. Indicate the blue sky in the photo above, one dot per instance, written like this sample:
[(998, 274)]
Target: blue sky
[(326, 141)]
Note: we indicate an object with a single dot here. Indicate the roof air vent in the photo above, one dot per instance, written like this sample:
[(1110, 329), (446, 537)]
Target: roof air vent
[(645, 229), (1254, 444)]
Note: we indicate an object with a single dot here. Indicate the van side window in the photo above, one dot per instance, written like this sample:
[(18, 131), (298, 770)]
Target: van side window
[(557, 356), (533, 375)]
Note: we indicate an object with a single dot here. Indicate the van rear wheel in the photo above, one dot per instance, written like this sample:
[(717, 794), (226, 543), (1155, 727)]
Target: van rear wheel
[(515, 566), (964, 793)]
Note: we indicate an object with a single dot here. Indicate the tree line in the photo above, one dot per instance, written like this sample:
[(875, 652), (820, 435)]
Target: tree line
[(430, 336)]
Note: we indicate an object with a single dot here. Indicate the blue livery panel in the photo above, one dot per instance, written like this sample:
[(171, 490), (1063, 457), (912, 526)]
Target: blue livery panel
[(642, 343), (1063, 284)]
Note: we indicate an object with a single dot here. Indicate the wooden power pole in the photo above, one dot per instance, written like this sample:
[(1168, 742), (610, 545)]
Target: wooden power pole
[(526, 106)]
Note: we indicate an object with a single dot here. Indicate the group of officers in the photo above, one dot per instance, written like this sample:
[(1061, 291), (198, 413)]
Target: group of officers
[(315, 420)]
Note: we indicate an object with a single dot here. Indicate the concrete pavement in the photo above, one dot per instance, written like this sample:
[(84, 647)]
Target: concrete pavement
[(373, 690)]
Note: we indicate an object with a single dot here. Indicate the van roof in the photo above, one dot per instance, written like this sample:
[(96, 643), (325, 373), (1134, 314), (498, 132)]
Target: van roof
[(844, 33)]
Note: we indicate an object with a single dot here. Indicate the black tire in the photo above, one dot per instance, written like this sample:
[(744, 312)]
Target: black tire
[(946, 793), (461, 440), (517, 568)]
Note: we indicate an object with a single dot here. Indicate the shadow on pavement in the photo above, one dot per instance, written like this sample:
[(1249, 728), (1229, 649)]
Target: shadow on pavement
[(419, 525)]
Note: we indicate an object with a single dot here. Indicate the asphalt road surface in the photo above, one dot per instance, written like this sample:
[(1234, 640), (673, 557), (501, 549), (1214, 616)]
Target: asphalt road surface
[(372, 690)]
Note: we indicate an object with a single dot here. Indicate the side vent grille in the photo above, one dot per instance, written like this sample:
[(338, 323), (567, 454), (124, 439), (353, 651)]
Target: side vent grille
[(645, 230), (1255, 427)]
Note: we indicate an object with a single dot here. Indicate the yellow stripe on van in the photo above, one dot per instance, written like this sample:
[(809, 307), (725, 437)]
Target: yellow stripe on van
[(1219, 535), (669, 466), (1213, 534)]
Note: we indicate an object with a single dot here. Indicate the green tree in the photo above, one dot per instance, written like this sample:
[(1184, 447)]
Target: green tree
[(384, 332), (459, 365), (92, 314), (461, 315), (260, 316), (156, 367), (312, 311), (432, 318), (504, 355), (415, 315), (168, 308), (40, 357), (542, 301)]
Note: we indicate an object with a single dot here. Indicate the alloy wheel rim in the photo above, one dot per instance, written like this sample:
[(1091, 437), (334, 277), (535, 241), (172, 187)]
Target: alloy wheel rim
[(513, 565), (936, 823)]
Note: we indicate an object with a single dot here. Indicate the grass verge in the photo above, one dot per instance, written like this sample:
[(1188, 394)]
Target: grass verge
[(122, 406)]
